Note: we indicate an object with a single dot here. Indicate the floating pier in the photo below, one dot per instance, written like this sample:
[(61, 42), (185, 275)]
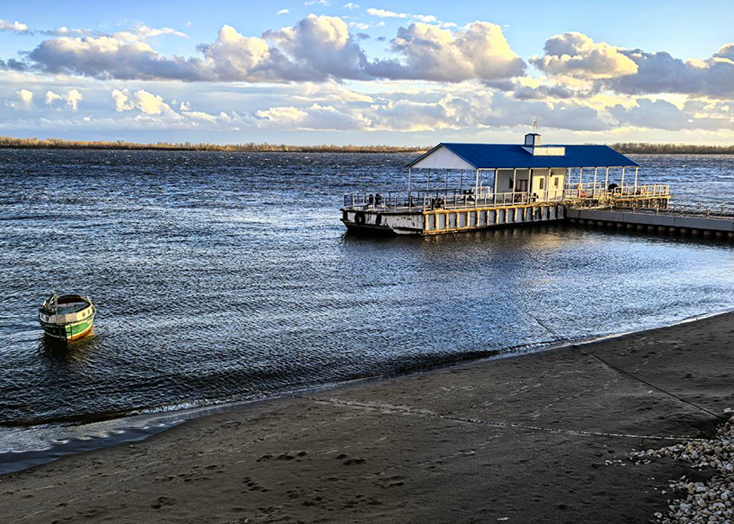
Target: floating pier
[(513, 185), (687, 223)]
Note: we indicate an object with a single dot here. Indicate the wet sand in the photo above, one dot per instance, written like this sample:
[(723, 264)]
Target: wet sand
[(538, 438)]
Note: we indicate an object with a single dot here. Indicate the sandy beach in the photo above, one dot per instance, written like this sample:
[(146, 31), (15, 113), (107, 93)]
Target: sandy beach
[(540, 438)]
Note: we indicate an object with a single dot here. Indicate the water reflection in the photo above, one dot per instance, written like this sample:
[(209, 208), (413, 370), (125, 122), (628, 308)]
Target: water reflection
[(74, 352)]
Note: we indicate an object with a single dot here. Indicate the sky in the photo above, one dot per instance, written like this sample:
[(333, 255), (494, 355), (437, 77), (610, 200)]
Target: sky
[(356, 72)]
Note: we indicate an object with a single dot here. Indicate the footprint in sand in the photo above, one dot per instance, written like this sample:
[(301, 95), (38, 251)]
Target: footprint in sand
[(162, 501)]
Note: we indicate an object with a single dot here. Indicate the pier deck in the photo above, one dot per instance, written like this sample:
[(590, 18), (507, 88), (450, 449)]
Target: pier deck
[(433, 212)]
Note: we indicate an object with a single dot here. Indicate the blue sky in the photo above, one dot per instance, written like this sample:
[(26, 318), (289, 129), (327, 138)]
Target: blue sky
[(404, 72)]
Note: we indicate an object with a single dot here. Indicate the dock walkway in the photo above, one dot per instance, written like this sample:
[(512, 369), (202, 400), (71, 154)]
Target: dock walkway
[(661, 222)]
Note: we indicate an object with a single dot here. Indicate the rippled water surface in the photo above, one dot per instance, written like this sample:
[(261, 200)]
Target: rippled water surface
[(223, 277)]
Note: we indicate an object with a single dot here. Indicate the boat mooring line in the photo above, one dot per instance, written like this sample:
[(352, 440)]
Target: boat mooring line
[(497, 424), (630, 375)]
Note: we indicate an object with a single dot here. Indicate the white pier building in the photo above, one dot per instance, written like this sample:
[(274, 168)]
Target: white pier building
[(501, 185)]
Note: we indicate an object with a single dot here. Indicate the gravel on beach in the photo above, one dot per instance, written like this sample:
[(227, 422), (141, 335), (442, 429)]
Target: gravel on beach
[(708, 501)]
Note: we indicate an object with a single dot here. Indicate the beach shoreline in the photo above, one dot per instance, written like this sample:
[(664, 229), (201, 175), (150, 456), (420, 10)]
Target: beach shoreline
[(118, 431), (542, 437)]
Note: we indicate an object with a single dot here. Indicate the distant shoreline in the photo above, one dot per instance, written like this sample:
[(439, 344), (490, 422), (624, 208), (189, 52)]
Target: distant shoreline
[(252, 147)]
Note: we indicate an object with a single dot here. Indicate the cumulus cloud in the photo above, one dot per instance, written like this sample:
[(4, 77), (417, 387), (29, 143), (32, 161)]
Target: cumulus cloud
[(317, 48), (71, 98), (13, 27), (634, 71), (236, 57), (323, 44), (110, 57), (142, 100), (662, 73), (479, 51), (575, 54), (25, 98), (351, 6)]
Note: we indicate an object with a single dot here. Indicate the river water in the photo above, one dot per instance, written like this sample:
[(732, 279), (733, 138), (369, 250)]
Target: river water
[(223, 277)]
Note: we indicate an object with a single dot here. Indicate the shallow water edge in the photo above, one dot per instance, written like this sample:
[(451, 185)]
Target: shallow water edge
[(136, 428)]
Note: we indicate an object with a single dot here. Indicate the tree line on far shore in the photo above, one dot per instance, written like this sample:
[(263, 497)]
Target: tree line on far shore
[(671, 149), (55, 143)]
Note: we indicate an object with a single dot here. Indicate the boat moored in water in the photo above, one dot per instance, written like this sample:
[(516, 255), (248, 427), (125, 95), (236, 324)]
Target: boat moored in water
[(66, 317)]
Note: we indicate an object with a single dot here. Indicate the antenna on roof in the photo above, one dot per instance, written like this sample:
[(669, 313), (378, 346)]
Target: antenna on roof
[(535, 125)]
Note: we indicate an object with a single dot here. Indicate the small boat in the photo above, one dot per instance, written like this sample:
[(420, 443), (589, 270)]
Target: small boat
[(66, 317)]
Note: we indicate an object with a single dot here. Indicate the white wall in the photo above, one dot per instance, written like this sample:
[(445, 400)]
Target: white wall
[(550, 178), (442, 158), (504, 179)]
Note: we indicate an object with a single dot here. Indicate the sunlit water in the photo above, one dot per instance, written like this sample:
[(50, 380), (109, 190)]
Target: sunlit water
[(226, 277)]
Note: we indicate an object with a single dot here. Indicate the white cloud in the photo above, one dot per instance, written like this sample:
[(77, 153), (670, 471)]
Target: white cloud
[(383, 13), (101, 57), (575, 54), (351, 6), (282, 12), (142, 100), (479, 51), (142, 32), (72, 98), (361, 26), (662, 73), (470, 110), (51, 97), (149, 103), (316, 117), (317, 48), (321, 47), (121, 100), (65, 31), (661, 114), (13, 27), (324, 3), (25, 98), (634, 71)]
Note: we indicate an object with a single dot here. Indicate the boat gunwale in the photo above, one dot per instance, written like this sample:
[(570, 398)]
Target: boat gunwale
[(56, 319)]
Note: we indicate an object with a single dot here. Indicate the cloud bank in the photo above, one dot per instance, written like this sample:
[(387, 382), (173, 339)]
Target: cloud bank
[(317, 48)]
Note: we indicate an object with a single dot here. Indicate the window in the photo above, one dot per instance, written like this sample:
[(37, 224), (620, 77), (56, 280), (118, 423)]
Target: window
[(541, 185), (556, 180)]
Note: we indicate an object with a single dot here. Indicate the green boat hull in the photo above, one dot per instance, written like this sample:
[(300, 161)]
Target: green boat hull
[(71, 331)]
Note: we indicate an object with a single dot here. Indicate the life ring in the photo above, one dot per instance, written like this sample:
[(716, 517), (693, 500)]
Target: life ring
[(359, 218)]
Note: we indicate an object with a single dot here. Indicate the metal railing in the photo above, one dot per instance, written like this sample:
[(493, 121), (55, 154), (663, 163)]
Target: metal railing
[(697, 209), (601, 192), (426, 200)]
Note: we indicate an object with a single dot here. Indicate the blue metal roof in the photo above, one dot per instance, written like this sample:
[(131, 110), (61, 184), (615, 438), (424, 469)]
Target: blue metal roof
[(509, 156)]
